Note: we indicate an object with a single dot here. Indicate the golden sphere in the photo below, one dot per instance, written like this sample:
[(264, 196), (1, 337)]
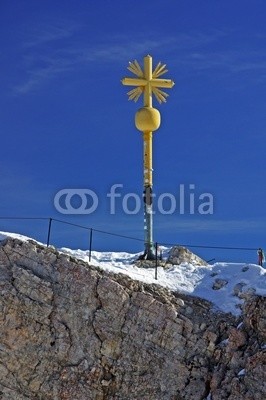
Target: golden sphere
[(147, 119)]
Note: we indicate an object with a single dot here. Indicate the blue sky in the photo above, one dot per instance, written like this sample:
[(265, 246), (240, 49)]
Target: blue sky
[(65, 120)]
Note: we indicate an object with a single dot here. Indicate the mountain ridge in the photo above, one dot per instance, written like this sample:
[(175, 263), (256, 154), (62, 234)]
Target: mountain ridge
[(70, 330)]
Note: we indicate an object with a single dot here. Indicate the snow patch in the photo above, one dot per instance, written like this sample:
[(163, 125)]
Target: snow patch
[(195, 280), (242, 372)]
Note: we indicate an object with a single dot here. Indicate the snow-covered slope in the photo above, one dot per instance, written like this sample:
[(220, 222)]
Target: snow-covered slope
[(224, 284)]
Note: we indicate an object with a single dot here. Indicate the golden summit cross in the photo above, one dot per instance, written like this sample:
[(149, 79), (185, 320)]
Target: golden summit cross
[(147, 120), (147, 81)]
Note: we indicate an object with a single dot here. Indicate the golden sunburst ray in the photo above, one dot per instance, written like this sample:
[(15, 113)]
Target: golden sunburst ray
[(156, 68), (146, 84), (135, 68), (159, 70), (159, 73), (135, 93), (160, 95)]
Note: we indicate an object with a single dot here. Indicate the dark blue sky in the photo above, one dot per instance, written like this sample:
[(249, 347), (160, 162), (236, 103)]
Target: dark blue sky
[(65, 120)]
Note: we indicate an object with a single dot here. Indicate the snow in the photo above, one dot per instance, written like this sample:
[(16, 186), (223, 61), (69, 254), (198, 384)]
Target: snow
[(224, 343), (186, 278), (242, 372), (239, 325), (4, 235)]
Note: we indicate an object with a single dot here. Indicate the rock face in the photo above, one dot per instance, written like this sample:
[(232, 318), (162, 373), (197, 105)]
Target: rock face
[(179, 255), (72, 331)]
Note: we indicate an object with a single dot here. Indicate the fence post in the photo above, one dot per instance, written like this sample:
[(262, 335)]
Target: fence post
[(49, 232), (90, 245), (156, 260)]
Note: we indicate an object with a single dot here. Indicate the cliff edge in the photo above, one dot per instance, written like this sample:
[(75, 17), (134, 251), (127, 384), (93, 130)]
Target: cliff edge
[(69, 330)]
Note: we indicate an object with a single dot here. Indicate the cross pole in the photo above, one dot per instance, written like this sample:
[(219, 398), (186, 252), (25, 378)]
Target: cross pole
[(147, 120)]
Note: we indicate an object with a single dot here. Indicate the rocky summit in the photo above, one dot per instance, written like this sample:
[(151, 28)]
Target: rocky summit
[(71, 331)]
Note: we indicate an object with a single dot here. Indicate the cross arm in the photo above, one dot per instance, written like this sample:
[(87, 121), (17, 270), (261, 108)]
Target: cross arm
[(134, 82), (163, 83)]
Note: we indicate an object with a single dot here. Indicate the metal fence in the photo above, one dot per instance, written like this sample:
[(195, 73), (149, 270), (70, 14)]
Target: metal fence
[(46, 228)]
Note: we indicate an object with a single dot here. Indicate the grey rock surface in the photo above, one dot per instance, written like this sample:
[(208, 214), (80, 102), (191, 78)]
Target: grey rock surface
[(72, 331), (180, 254)]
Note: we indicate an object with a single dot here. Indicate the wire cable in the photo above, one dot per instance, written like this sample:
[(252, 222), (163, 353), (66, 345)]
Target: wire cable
[(130, 237)]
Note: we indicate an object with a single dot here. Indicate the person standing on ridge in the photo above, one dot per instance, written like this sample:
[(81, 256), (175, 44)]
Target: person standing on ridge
[(261, 257)]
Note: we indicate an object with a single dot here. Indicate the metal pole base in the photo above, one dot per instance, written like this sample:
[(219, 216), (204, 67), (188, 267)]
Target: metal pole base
[(149, 254)]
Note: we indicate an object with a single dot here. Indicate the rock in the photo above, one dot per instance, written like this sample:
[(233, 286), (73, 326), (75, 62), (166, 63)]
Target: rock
[(219, 283), (241, 291), (69, 330), (179, 255)]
